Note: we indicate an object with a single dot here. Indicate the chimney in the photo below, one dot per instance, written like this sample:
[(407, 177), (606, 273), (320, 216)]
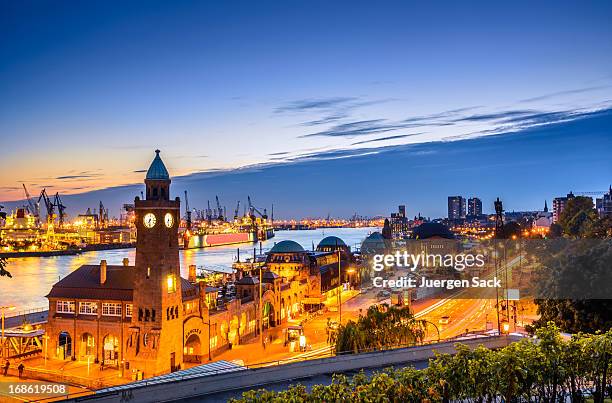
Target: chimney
[(192, 274), (102, 271), (126, 262)]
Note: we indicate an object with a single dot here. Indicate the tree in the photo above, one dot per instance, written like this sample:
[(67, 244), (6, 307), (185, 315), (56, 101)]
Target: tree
[(382, 327), (549, 369), (578, 216), (574, 284), (3, 271)]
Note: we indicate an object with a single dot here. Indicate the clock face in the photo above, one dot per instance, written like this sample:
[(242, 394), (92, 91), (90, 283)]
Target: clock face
[(149, 220), (168, 220)]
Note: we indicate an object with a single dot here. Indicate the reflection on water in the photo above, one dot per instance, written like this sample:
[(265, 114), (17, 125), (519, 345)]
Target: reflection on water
[(33, 277)]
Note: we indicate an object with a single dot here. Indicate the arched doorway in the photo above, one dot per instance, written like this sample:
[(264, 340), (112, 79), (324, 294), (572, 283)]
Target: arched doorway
[(64, 346), (88, 345), (268, 315), (193, 349), (233, 335), (110, 354)]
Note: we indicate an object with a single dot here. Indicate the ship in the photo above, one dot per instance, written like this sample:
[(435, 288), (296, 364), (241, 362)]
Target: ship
[(219, 234), (213, 229), (21, 231)]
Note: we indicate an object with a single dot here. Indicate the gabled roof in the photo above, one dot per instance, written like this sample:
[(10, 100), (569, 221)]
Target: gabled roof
[(247, 280), (84, 282)]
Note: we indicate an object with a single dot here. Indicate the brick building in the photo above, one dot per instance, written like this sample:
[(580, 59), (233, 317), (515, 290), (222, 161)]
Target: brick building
[(146, 320)]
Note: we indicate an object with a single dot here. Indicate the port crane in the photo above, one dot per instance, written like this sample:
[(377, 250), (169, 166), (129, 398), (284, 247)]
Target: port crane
[(61, 209), (219, 209), (591, 193), (237, 210), (187, 212), (102, 215), (48, 205), (253, 210), (208, 212), (32, 207)]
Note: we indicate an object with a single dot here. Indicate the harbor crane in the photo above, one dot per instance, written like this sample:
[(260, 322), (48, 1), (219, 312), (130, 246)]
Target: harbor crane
[(50, 207), (591, 193), (219, 209), (61, 209), (187, 212), (208, 212), (102, 215), (236, 212), (253, 210), (32, 207)]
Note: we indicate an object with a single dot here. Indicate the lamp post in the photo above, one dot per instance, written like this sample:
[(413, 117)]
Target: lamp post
[(2, 309), (339, 285), (209, 352), (46, 340), (259, 304)]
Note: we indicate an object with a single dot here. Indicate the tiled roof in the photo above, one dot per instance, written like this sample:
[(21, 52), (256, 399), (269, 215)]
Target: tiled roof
[(84, 283)]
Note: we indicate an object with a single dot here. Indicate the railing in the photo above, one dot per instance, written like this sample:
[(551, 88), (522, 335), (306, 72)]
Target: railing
[(327, 352), (26, 312), (237, 372)]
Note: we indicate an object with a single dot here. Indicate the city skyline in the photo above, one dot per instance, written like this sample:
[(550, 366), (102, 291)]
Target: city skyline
[(224, 89)]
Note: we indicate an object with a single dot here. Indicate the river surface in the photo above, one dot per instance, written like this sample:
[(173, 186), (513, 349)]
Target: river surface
[(33, 277)]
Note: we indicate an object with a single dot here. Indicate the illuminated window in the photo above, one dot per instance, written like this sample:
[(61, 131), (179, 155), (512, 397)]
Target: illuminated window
[(171, 280), (213, 342), (88, 308), (111, 309), (148, 272), (128, 310), (65, 306)]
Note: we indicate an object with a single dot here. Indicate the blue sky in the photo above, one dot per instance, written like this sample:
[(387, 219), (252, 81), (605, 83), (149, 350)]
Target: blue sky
[(89, 89)]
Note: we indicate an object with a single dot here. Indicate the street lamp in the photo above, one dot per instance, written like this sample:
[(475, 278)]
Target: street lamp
[(209, 352), (46, 340)]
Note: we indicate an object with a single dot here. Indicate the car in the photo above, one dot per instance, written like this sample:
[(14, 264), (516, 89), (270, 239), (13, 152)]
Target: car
[(444, 320), (383, 294)]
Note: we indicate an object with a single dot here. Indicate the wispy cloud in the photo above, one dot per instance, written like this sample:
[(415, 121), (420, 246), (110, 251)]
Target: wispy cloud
[(331, 110), (566, 92), (85, 176), (358, 128), (400, 136), (494, 116), (303, 105)]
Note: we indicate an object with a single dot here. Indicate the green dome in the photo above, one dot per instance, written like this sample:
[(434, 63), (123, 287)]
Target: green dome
[(157, 170), (375, 236), (331, 241), (287, 247)]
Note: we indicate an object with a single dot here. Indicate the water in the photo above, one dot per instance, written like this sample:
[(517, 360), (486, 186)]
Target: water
[(33, 277)]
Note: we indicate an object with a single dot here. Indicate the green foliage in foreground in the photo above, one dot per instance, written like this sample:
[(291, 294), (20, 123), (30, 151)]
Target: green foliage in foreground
[(381, 327), (3, 271), (547, 370)]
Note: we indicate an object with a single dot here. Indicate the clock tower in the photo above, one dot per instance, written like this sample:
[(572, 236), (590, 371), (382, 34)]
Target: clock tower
[(155, 340)]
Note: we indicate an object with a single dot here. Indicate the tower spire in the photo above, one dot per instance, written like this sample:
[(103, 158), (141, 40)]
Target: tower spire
[(545, 207)]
